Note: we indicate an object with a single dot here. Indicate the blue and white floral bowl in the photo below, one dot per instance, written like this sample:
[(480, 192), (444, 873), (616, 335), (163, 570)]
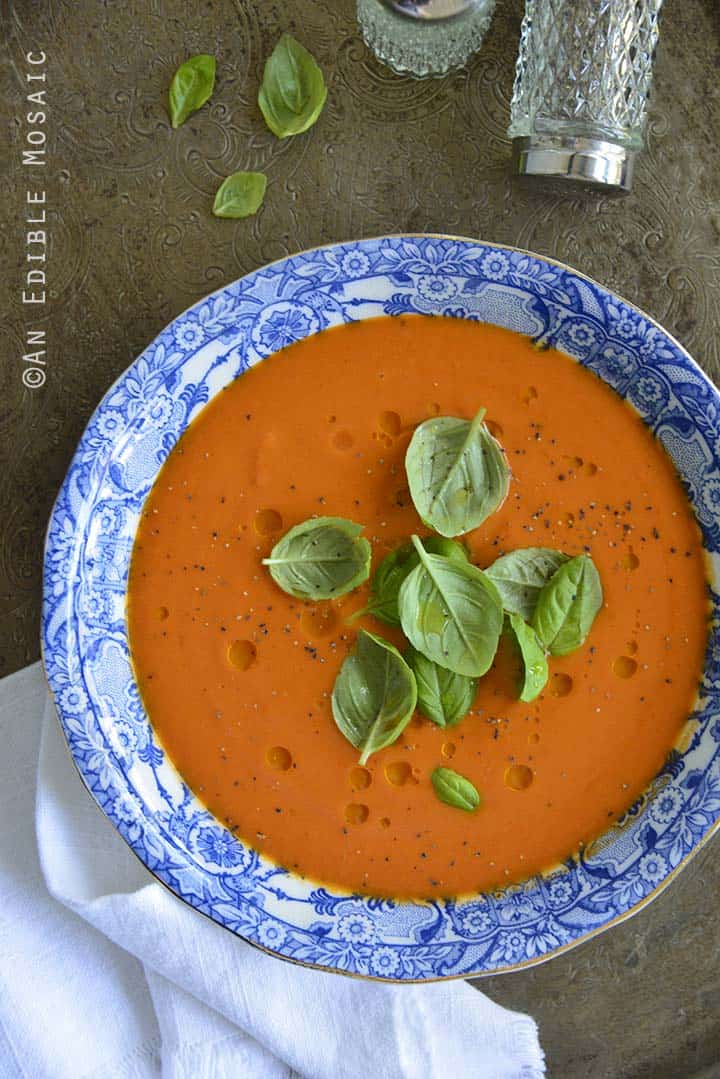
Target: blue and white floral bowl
[(85, 640)]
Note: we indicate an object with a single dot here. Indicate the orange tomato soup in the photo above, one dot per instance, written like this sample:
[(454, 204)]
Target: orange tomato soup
[(236, 676)]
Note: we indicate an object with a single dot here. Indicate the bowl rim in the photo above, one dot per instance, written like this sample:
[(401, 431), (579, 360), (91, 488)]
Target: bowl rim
[(506, 968)]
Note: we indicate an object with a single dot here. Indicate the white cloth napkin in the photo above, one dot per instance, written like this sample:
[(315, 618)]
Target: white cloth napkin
[(104, 974)]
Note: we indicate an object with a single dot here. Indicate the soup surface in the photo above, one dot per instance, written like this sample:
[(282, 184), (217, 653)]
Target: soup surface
[(236, 675)]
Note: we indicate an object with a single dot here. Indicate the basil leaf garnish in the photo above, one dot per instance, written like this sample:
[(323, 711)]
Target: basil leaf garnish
[(452, 613), (395, 567), (455, 790), (535, 664), (374, 695), (521, 575), (457, 473), (322, 558), (293, 89), (191, 86), (567, 606), (443, 696), (240, 195)]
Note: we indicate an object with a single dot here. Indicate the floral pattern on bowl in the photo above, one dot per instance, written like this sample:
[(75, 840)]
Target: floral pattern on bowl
[(85, 644)]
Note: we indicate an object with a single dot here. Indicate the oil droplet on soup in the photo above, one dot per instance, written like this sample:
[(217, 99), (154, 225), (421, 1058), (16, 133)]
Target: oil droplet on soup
[(356, 813), (360, 778), (267, 522), (279, 758), (398, 773), (631, 560), (241, 655), (390, 423), (560, 684), (624, 667), (518, 777), (319, 620)]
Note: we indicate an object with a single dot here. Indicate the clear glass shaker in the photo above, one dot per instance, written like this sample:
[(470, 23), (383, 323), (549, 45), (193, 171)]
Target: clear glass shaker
[(582, 82), (424, 37)]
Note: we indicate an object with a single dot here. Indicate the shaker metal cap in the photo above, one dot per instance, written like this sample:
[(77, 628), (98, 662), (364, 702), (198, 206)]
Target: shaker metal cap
[(431, 10), (573, 157)]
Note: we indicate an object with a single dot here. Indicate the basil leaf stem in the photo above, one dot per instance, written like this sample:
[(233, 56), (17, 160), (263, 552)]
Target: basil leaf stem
[(374, 695), (322, 558), (452, 613), (393, 570)]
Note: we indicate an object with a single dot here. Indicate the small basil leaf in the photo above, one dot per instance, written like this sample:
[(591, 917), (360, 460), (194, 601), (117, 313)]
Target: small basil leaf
[(451, 613), (191, 86), (240, 195), (457, 473), (321, 558), (521, 575), (455, 790), (395, 567), (535, 664), (443, 696), (293, 89), (374, 695), (567, 606)]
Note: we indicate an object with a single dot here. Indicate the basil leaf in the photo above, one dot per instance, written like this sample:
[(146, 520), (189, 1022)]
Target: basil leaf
[(240, 195), (457, 473), (443, 696), (455, 790), (567, 606), (394, 568), (452, 613), (293, 89), (521, 575), (191, 86), (321, 558), (374, 695), (535, 662)]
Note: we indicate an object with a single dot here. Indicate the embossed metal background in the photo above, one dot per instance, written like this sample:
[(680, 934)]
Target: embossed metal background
[(133, 244)]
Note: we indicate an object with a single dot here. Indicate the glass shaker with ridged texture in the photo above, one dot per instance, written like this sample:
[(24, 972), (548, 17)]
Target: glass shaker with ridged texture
[(582, 82), (424, 38)]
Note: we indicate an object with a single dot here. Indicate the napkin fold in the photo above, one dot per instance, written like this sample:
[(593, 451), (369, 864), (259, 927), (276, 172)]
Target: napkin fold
[(105, 974)]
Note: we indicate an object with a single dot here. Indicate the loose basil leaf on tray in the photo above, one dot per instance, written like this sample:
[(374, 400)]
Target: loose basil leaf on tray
[(455, 790), (374, 695), (394, 568), (191, 86), (293, 89), (567, 606), (457, 473), (521, 575), (443, 696), (452, 613), (322, 558), (240, 195), (535, 664)]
